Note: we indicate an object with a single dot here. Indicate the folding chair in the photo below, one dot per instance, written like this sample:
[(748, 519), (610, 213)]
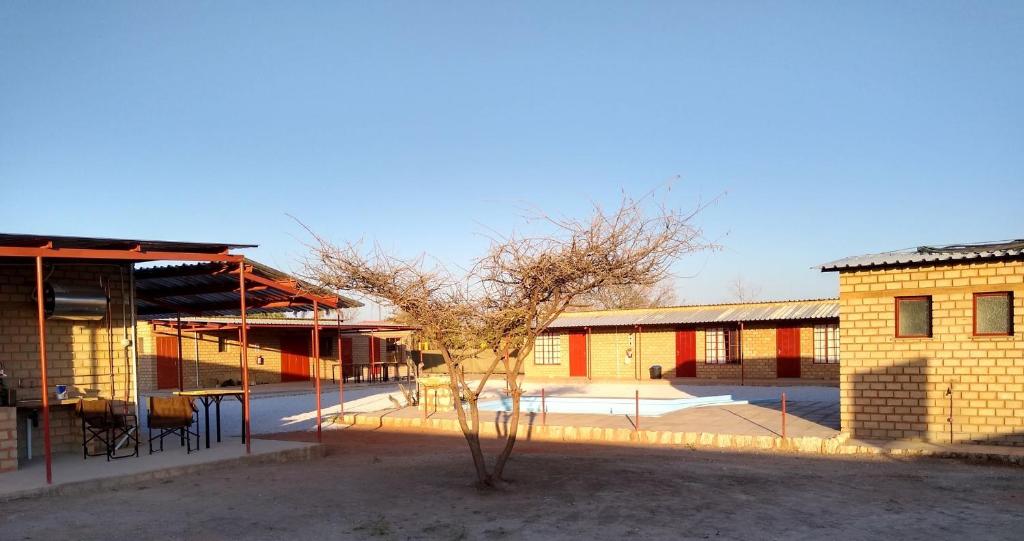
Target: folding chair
[(173, 415), (101, 425)]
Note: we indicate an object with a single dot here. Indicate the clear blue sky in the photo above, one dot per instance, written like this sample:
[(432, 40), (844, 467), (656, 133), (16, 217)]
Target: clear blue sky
[(832, 129)]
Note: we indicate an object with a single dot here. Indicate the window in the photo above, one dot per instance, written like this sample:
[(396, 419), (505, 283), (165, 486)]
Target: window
[(826, 344), (993, 313), (913, 317), (548, 349), (222, 345), (721, 345), (327, 345)]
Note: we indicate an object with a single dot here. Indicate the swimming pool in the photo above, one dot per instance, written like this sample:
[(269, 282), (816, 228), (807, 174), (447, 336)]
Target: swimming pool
[(651, 407)]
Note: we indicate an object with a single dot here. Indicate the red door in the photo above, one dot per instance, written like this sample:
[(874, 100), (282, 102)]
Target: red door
[(686, 354), (346, 356), (578, 354), (787, 352), (166, 362), (375, 357), (294, 358)]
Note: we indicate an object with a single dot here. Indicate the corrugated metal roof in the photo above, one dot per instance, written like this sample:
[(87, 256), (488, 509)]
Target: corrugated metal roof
[(210, 288), (305, 322), (702, 314), (931, 254), (102, 243)]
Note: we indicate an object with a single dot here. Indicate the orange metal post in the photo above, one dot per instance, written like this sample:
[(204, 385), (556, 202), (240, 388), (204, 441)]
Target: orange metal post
[(245, 362), (636, 418), (543, 408), (47, 450), (742, 364), (181, 363), (783, 415), (341, 374), (316, 367)]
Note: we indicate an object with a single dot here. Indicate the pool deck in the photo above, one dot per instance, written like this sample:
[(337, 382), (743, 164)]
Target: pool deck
[(803, 419)]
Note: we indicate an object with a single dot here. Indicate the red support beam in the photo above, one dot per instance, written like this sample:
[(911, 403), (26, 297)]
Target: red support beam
[(290, 286), (341, 374), (181, 363), (121, 255), (316, 368), (47, 448), (245, 361)]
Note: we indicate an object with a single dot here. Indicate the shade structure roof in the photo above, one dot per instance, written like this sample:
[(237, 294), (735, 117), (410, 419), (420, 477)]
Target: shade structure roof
[(69, 247), (923, 255), (813, 309), (212, 323), (212, 289)]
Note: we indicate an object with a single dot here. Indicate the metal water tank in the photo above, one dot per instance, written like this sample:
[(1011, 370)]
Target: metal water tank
[(74, 302)]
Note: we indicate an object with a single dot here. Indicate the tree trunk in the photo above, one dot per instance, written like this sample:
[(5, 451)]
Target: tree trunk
[(513, 426), (471, 428)]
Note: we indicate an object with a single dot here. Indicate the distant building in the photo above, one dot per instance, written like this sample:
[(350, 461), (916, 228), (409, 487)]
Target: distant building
[(755, 341)]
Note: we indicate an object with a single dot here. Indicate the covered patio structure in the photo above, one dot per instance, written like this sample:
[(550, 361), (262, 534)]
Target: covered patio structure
[(41, 287)]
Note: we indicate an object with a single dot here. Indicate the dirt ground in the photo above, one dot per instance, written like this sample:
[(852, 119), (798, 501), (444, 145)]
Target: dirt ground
[(386, 485)]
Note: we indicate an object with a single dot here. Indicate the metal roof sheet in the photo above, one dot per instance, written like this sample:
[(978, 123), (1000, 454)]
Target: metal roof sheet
[(210, 288), (103, 243), (931, 254), (717, 313), (304, 322)]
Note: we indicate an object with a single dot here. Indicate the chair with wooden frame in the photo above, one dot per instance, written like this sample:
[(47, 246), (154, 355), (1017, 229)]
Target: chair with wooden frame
[(100, 424), (173, 415)]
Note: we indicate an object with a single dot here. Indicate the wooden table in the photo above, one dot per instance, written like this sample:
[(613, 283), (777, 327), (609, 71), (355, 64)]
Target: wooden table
[(215, 396)]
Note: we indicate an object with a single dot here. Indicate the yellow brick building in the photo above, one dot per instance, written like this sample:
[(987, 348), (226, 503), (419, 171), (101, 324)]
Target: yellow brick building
[(280, 350), (931, 344), (83, 294), (747, 341)]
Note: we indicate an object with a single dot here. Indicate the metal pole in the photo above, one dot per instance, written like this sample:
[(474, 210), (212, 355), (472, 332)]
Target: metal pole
[(196, 338), (245, 361), (341, 375), (636, 419), (316, 370), (181, 365), (543, 408), (783, 415), (742, 364), (42, 368)]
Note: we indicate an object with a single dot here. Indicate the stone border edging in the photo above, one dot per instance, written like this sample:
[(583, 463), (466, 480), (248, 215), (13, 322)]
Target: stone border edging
[(836, 445)]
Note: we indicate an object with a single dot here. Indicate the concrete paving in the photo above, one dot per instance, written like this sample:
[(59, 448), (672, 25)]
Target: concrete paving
[(291, 407), (814, 419), (72, 473)]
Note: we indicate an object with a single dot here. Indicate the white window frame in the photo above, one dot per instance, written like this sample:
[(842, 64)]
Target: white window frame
[(826, 343), (716, 345), (547, 350)]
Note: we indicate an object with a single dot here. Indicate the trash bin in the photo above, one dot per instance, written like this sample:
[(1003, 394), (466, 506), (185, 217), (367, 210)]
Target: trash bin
[(656, 371)]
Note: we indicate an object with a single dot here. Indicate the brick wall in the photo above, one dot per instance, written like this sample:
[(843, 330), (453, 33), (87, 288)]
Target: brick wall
[(214, 366), (895, 388), (77, 351), (8, 439), (560, 370)]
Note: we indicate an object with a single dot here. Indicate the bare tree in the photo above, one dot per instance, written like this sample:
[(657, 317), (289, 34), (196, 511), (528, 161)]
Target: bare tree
[(621, 297), (743, 291), (512, 294)]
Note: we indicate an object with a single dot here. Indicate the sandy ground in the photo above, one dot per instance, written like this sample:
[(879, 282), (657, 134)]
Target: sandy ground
[(386, 485)]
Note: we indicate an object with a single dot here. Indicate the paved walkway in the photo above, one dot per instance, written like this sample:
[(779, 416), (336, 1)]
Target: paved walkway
[(816, 419), (288, 407), (73, 473)]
